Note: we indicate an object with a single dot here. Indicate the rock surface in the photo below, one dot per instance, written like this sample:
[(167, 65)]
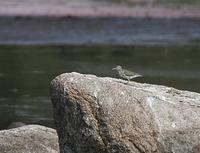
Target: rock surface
[(29, 139), (106, 115)]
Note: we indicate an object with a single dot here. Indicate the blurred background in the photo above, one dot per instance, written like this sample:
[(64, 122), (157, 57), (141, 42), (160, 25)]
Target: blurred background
[(39, 40)]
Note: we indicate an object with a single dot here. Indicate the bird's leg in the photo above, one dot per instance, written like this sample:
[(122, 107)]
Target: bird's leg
[(128, 80)]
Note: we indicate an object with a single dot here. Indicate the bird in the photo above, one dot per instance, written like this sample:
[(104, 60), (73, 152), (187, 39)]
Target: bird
[(126, 74)]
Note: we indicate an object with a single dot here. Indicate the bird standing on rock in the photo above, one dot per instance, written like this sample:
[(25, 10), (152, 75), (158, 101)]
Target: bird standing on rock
[(126, 74)]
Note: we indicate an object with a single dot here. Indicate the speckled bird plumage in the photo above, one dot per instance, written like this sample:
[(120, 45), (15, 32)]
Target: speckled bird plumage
[(126, 74)]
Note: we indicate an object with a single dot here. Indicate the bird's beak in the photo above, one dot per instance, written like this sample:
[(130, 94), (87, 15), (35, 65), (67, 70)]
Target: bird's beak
[(113, 68)]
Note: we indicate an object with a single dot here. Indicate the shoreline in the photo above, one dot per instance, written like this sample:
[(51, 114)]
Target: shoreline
[(94, 8), (104, 11), (92, 23)]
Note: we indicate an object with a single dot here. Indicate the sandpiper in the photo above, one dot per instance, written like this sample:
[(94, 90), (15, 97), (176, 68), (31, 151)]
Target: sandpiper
[(126, 74)]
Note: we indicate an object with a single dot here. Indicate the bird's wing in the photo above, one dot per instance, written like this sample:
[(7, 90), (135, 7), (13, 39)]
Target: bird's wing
[(129, 73)]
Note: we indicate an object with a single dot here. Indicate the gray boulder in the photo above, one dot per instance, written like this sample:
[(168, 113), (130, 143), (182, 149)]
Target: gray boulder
[(29, 139), (106, 115)]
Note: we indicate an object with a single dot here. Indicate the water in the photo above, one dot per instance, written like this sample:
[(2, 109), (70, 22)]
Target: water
[(26, 72)]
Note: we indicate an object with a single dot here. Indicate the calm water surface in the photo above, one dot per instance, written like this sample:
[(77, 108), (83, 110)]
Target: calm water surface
[(26, 72)]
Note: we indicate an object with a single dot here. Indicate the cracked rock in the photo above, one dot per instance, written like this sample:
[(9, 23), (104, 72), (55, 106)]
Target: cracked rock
[(106, 115)]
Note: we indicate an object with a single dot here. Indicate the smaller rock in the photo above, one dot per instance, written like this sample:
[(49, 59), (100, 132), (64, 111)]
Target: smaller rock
[(29, 139)]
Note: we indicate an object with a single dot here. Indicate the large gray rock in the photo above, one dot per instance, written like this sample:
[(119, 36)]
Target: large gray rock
[(29, 139), (106, 115)]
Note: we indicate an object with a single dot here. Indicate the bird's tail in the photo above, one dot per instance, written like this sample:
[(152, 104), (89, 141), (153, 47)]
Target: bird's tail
[(136, 76)]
